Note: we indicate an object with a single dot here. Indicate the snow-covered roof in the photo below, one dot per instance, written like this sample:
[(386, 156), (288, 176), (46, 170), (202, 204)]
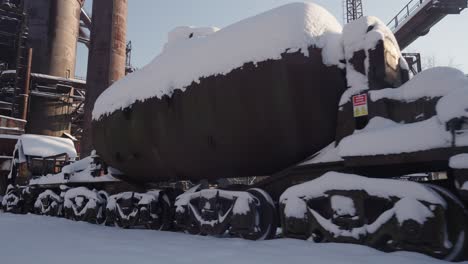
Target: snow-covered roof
[(46, 146), (288, 28)]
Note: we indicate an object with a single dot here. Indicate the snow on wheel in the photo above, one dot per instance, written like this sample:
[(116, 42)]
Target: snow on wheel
[(157, 215), (389, 215), (131, 209), (456, 232), (48, 203), (266, 218), (12, 202), (249, 214), (82, 204)]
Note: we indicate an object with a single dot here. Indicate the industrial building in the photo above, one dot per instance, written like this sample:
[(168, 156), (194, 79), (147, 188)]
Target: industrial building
[(38, 56)]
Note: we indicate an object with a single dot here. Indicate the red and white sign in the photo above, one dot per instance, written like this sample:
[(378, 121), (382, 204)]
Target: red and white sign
[(360, 100), (360, 105)]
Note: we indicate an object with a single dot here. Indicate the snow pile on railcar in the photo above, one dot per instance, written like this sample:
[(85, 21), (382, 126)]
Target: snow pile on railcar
[(450, 85), (363, 35), (382, 188), (430, 83), (180, 34), (79, 171), (290, 28)]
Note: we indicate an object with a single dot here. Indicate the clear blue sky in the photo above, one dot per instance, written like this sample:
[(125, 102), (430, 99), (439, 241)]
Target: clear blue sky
[(150, 20)]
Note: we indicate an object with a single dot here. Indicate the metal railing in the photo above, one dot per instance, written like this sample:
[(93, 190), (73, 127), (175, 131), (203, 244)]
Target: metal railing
[(406, 13)]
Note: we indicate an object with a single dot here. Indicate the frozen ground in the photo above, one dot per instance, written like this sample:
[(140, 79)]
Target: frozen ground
[(46, 240)]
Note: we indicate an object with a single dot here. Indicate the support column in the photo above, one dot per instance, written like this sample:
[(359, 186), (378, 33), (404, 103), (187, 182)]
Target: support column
[(106, 61)]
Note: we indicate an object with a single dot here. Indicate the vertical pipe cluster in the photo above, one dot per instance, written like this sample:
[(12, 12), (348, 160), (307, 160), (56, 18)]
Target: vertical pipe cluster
[(106, 61), (53, 27), (65, 16)]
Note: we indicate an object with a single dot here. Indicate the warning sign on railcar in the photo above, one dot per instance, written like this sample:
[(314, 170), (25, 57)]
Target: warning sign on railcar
[(360, 105)]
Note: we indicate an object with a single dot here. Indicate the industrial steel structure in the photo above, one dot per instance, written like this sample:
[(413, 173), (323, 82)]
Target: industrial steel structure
[(51, 31), (352, 10), (418, 17)]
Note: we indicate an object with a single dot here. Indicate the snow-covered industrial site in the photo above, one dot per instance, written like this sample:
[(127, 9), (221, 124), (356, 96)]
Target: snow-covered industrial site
[(283, 136)]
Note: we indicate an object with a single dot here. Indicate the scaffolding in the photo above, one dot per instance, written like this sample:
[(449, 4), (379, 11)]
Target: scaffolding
[(352, 10)]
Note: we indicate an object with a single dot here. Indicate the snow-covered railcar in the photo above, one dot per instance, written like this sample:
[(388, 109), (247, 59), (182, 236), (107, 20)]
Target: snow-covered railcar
[(259, 96), (255, 120), (244, 100)]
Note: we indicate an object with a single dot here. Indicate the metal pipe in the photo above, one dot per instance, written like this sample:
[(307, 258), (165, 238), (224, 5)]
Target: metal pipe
[(84, 37), (106, 59), (66, 19), (85, 18), (27, 82), (54, 30)]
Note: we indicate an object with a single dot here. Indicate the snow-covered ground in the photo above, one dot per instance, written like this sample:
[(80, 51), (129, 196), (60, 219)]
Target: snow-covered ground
[(47, 240)]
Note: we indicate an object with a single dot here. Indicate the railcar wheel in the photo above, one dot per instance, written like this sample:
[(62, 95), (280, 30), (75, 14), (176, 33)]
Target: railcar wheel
[(457, 225), (82, 204), (12, 202), (159, 214), (265, 216), (151, 209), (48, 203), (126, 213)]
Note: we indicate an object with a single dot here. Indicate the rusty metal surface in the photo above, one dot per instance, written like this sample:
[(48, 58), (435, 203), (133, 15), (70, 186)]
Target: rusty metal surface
[(252, 121), (418, 17), (25, 93), (381, 72), (54, 28), (66, 20), (106, 63)]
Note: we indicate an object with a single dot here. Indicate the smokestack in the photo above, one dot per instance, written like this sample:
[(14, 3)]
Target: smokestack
[(53, 34), (106, 61)]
